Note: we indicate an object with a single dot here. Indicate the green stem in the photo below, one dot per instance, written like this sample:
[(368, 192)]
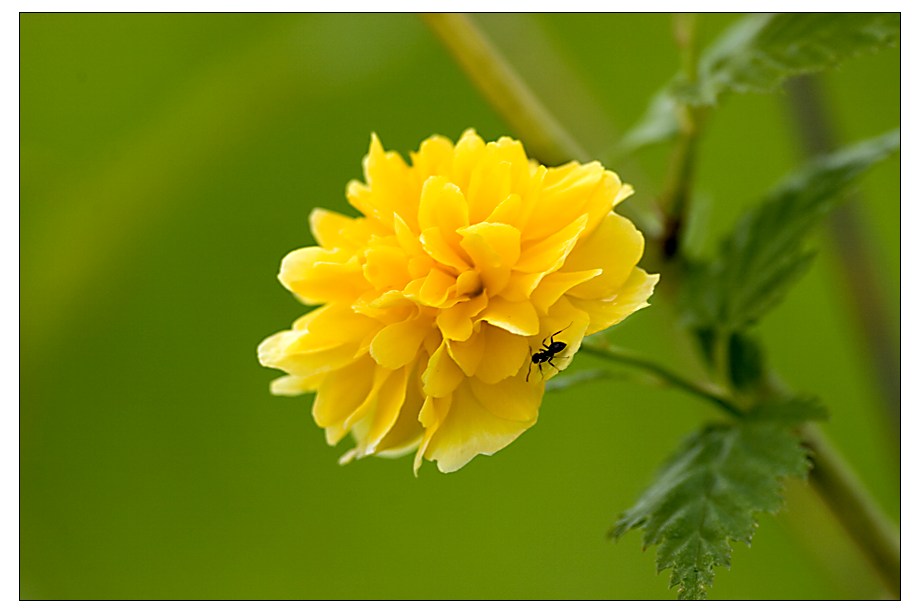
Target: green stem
[(851, 503), (546, 139), (858, 255), (675, 198), (707, 393)]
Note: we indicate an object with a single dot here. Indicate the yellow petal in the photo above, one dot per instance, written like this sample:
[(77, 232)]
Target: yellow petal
[(392, 189), (435, 157), (386, 268), (469, 284), (556, 284), (385, 412), (510, 399), (435, 288), (491, 245), (406, 434), (510, 211), (467, 153), (468, 353), (442, 374), (490, 184), (369, 405), (470, 429), (519, 318), (456, 322), (623, 193), (342, 392), (493, 248), (294, 385), (407, 239), (442, 205), (432, 415), (632, 297), (397, 344), (334, 230), (440, 249), (570, 191), (549, 254), (616, 247), (318, 345), (318, 275), (504, 355)]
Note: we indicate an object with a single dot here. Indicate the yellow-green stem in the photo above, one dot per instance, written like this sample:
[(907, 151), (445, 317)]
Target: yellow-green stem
[(546, 139), (851, 503)]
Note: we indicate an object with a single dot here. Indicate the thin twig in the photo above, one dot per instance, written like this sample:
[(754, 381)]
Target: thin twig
[(705, 392)]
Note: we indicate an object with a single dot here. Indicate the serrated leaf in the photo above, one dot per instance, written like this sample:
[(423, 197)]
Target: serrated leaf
[(765, 252), (791, 411), (708, 495), (756, 54), (760, 51)]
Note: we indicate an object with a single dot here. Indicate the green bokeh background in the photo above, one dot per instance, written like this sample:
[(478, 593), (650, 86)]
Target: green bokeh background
[(168, 162)]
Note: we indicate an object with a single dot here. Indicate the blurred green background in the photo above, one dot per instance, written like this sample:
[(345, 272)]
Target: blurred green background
[(168, 162)]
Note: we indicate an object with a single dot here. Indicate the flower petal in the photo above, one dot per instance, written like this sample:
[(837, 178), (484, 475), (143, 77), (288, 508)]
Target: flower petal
[(616, 247), (435, 157), (456, 322), (440, 249), (556, 284), (570, 191), (386, 268), (316, 275), (519, 318), (294, 385), (435, 288), (342, 392), (397, 344), (510, 399), (470, 429), (334, 230), (468, 353), (432, 415), (504, 354), (442, 374), (390, 187), (632, 297), (406, 433), (381, 417), (549, 254), (442, 205)]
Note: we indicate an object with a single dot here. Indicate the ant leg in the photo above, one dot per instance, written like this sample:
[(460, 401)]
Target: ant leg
[(553, 365), (530, 365)]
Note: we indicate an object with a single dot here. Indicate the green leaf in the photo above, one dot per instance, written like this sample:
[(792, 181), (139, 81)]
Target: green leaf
[(659, 124), (708, 495), (757, 54), (765, 253), (760, 51)]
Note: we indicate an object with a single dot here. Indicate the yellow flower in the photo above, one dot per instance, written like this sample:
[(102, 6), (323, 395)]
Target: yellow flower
[(439, 305)]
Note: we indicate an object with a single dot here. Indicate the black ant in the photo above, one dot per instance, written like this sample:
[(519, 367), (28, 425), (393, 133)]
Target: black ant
[(546, 353)]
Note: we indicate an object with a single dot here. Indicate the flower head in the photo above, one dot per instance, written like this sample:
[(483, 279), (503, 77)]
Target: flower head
[(469, 280)]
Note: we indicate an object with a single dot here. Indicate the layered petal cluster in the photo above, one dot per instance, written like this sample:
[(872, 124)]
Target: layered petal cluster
[(438, 305)]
